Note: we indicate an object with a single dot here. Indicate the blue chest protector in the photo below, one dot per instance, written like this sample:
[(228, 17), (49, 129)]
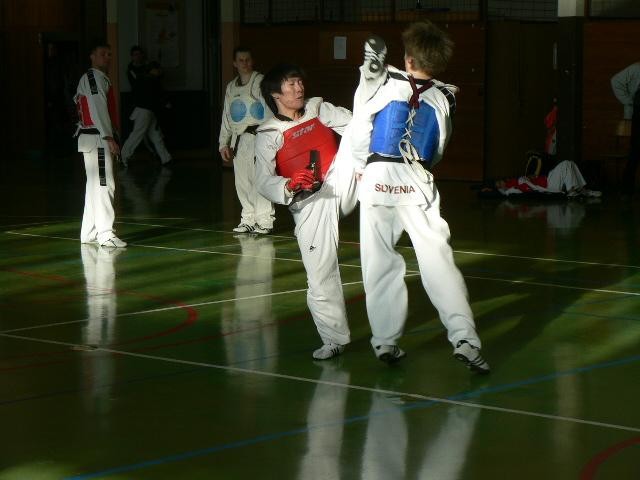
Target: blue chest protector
[(390, 125)]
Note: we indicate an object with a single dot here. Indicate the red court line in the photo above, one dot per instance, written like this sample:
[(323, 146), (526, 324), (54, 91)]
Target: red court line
[(590, 470), (192, 313), (284, 321), (192, 316), (205, 338)]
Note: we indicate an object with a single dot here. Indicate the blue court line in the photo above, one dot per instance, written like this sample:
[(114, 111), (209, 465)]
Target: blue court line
[(421, 330), (347, 421), (552, 277), (122, 383)]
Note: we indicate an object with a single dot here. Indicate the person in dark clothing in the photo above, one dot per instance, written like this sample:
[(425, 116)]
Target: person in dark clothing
[(148, 97), (626, 88)]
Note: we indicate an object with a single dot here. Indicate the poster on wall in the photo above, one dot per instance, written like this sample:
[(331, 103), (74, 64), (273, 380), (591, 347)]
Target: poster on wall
[(163, 32)]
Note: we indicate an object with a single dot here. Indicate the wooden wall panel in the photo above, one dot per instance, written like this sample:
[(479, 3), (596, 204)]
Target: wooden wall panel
[(56, 15), (23, 24), (25, 90), (609, 46), (336, 80), (520, 89)]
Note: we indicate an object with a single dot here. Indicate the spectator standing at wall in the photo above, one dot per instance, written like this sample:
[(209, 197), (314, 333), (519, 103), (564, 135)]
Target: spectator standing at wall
[(626, 88)]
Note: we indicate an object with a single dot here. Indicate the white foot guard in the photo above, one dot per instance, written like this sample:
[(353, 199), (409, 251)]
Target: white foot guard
[(389, 353), (244, 228), (327, 351), (113, 242), (257, 228), (470, 356), (375, 52)]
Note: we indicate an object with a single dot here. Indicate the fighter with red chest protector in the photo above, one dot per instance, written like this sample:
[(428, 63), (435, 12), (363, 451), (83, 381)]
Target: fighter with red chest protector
[(299, 164), (97, 129)]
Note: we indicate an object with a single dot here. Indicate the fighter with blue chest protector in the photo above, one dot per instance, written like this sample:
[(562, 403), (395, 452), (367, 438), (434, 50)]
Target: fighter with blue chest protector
[(398, 134)]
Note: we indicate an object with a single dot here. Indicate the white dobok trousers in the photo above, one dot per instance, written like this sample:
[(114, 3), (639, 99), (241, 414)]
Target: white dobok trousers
[(316, 220), (99, 215), (255, 208), (145, 123), (383, 270), (565, 176)]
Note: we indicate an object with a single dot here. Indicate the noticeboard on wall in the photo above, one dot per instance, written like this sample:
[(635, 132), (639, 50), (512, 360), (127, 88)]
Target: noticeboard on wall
[(162, 25)]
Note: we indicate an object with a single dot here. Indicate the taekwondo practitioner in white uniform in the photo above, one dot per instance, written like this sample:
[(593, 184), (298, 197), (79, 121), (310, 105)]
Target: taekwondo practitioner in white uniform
[(148, 97), (298, 163), (397, 136), (96, 105), (243, 111)]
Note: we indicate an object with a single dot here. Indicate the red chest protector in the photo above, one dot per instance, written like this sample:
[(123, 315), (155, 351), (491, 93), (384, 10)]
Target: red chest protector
[(82, 103), (300, 141)]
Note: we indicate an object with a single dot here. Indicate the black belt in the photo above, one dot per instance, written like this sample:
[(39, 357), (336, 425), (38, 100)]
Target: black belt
[(376, 157), (251, 130), (89, 131)]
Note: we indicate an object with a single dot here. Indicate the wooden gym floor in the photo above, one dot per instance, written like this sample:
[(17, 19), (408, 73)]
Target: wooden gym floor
[(188, 354)]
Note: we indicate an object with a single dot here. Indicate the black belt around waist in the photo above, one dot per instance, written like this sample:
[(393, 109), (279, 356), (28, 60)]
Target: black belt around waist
[(251, 130), (89, 131), (376, 157)]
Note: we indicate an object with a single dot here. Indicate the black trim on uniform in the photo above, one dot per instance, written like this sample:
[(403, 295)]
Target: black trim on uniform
[(284, 118), (92, 82), (451, 98), (399, 76), (376, 157), (101, 167), (89, 131)]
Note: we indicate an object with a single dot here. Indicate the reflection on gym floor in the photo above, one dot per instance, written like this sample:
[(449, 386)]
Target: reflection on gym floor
[(248, 329), (102, 305)]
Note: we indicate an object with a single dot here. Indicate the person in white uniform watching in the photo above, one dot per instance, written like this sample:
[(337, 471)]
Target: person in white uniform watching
[(97, 126), (243, 111)]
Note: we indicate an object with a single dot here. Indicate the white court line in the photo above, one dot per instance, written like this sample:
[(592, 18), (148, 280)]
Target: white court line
[(156, 218), (415, 396), (76, 217), (543, 259), (193, 229), (302, 290), (409, 273), (555, 285), (30, 224), (464, 252), (166, 309), (177, 249)]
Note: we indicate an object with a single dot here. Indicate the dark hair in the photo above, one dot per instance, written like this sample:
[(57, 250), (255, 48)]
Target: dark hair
[(430, 47), (96, 44), (272, 82), (240, 48), (135, 48)]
